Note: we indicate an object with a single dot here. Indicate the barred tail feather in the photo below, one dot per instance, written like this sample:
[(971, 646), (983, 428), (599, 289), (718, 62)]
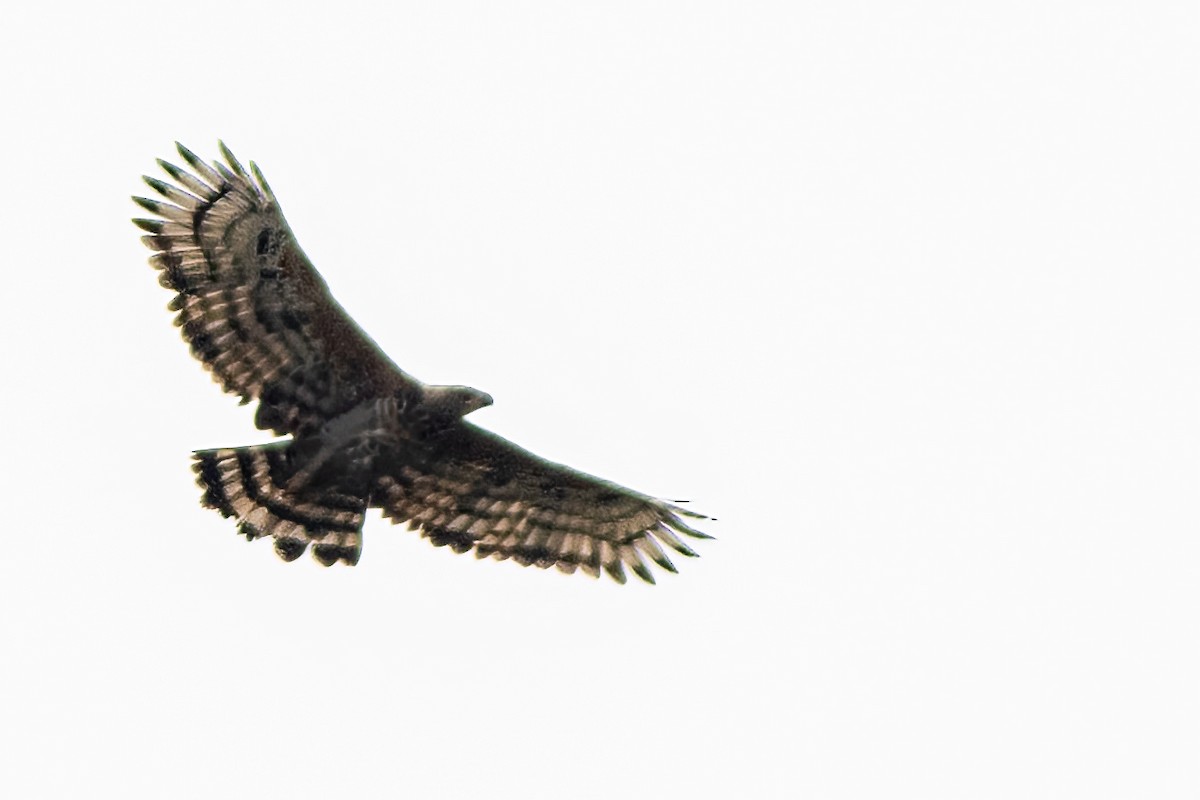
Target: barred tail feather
[(247, 484)]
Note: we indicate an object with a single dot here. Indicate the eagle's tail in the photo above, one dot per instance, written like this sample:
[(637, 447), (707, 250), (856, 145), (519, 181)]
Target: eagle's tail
[(250, 485)]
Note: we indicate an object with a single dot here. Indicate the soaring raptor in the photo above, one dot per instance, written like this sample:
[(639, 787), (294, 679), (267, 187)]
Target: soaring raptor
[(363, 433)]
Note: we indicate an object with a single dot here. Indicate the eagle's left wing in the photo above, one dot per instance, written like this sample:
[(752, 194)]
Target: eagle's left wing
[(252, 306), (471, 489)]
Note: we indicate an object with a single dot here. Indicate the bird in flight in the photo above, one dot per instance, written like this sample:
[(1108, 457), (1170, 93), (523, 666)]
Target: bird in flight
[(363, 433)]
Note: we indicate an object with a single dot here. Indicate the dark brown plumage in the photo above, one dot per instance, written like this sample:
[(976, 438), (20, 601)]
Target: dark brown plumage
[(363, 433)]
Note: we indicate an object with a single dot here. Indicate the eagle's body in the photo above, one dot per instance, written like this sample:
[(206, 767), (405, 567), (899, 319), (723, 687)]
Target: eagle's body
[(363, 433)]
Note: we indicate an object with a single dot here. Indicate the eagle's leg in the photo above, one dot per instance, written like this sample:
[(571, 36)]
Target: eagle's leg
[(347, 444)]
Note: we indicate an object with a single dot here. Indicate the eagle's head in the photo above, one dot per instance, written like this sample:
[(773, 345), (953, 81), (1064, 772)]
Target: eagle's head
[(452, 402)]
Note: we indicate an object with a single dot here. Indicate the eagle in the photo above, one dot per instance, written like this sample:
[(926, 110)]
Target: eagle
[(361, 433)]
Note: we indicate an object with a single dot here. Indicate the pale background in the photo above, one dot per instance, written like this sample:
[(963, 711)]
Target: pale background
[(906, 295)]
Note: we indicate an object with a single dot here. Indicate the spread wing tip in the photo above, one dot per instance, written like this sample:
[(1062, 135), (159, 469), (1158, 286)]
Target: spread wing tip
[(231, 160), (675, 506), (203, 171), (672, 516), (683, 527), (202, 188), (262, 182), (147, 203)]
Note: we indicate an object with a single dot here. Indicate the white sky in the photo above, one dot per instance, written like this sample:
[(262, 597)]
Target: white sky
[(905, 294)]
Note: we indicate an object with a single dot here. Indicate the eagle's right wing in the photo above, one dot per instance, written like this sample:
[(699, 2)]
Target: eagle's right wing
[(471, 489), (252, 306)]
